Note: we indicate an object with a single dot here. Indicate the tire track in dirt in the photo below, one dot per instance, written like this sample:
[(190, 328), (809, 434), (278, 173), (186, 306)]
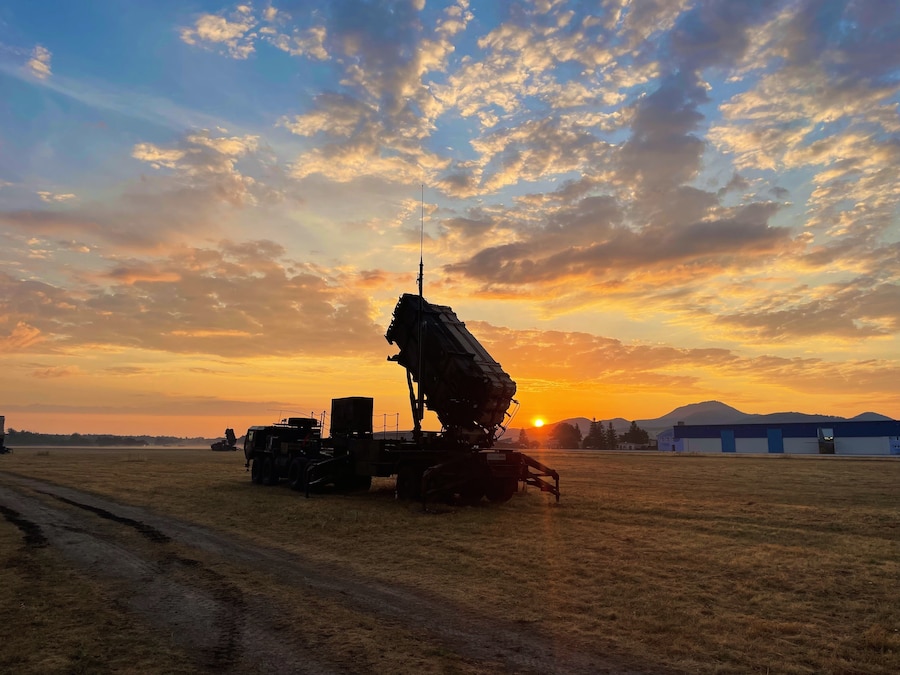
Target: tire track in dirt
[(200, 609), (34, 535), (149, 532), (227, 650), (235, 631)]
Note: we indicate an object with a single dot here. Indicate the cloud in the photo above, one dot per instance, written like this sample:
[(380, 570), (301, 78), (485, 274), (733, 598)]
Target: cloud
[(235, 35), (738, 183), (309, 42), (198, 183), (566, 361), (55, 372), (638, 217), (144, 221), (589, 243), (826, 102), (207, 162), (662, 152), (860, 309), (21, 338), (241, 299), (358, 143), (537, 149), (50, 197), (717, 34), (39, 63), (158, 157), (376, 124)]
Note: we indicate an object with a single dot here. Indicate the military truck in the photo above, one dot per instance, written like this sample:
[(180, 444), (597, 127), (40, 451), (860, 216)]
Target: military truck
[(283, 450), (449, 371)]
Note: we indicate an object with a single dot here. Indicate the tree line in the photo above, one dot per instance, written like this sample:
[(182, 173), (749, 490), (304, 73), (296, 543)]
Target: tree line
[(16, 438), (599, 437)]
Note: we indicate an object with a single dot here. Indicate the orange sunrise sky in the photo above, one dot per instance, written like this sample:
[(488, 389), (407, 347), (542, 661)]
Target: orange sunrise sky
[(209, 210)]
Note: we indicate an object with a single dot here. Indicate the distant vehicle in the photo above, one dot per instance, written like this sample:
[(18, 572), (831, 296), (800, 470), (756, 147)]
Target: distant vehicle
[(3, 449), (230, 442), (463, 385)]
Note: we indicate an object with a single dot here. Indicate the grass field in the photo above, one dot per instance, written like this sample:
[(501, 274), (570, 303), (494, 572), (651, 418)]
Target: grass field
[(700, 564)]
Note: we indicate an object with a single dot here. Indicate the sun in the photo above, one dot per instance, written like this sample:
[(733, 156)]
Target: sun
[(538, 422)]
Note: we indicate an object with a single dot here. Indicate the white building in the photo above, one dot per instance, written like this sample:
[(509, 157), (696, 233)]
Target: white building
[(839, 438)]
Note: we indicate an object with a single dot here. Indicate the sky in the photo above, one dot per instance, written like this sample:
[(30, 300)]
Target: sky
[(208, 210)]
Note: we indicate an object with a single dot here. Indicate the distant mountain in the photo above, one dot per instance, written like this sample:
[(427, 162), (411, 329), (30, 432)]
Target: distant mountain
[(707, 412), (871, 417)]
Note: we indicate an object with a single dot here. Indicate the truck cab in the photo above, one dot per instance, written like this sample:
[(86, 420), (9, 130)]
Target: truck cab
[(272, 450)]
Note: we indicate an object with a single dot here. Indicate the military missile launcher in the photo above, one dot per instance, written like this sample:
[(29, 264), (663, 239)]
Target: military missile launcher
[(448, 371)]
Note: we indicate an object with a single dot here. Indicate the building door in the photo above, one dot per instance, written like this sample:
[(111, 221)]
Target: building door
[(894, 442), (776, 442), (728, 440)]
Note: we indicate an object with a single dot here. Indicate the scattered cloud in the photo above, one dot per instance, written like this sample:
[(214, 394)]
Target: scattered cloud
[(51, 197), (20, 338), (235, 300), (39, 63), (55, 372), (234, 34)]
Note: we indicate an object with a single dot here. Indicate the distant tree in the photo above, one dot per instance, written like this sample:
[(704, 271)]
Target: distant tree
[(596, 437), (566, 435), (636, 435), (612, 441), (523, 439)]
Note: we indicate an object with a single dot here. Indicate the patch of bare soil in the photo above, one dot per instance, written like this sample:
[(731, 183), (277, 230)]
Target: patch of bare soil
[(164, 569)]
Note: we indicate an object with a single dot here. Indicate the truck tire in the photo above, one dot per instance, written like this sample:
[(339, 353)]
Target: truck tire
[(409, 483), (269, 472), (360, 483), (256, 471), (297, 474), (500, 490), (471, 495)]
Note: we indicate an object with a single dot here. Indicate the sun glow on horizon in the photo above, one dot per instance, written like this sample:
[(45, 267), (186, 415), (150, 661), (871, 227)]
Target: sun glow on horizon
[(538, 422)]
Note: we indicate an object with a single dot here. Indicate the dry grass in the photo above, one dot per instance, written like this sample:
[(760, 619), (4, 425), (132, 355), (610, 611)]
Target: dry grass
[(703, 564)]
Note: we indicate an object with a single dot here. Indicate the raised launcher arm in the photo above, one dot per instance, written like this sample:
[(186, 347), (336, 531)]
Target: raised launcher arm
[(462, 383)]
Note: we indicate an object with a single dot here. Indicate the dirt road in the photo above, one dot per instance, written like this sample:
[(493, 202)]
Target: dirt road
[(233, 605)]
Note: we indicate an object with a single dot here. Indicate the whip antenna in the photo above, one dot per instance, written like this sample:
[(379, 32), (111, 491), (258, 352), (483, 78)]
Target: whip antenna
[(421, 241), (420, 396)]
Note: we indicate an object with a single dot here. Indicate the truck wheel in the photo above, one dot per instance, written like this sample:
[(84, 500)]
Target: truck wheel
[(256, 471), (269, 472), (361, 483), (297, 474), (501, 490), (471, 495), (409, 484)]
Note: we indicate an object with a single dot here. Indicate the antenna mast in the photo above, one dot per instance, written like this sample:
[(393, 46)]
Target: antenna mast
[(421, 242), (419, 412)]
